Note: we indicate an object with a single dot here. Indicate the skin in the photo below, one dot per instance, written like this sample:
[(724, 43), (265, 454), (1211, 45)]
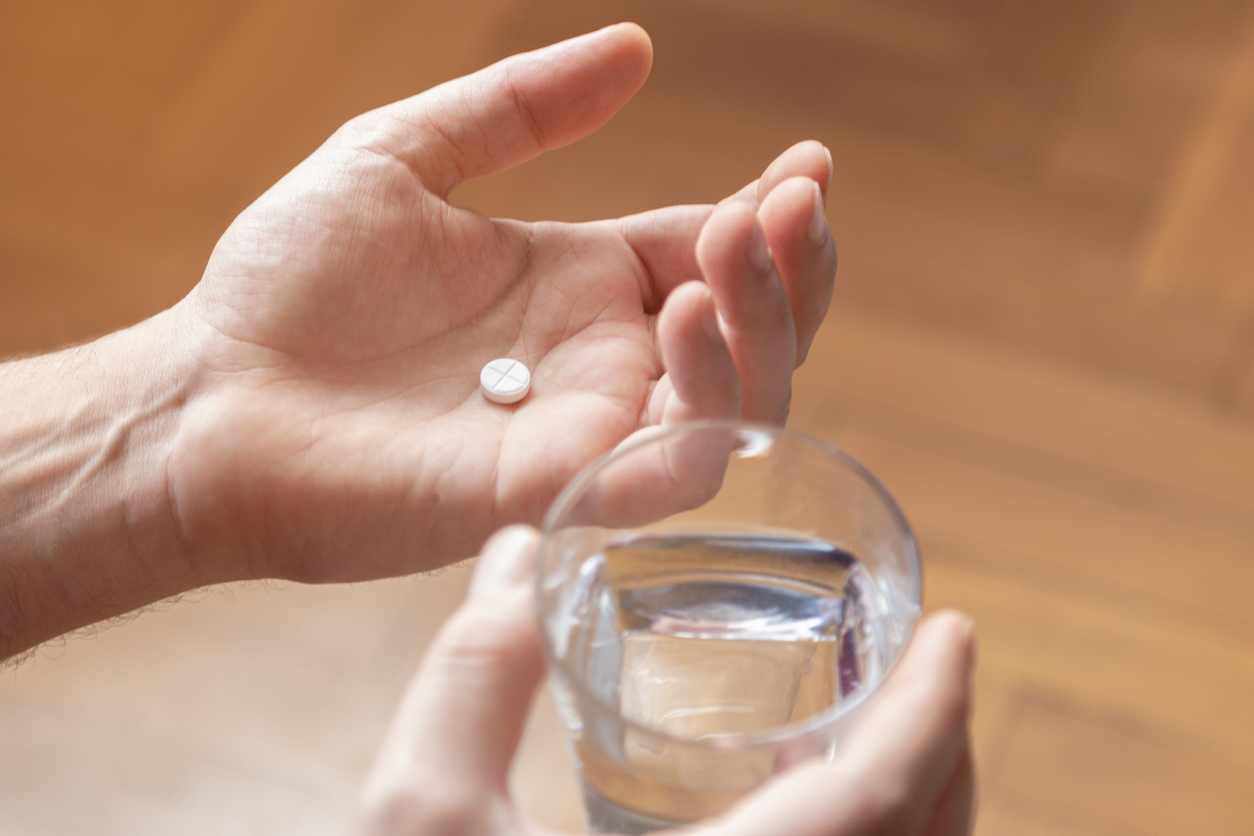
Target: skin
[(443, 769)]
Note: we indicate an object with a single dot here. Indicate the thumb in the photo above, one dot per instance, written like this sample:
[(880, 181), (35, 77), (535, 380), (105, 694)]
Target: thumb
[(513, 110), (906, 767), (460, 722)]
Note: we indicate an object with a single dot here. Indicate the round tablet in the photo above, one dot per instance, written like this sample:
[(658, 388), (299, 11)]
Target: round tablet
[(505, 381)]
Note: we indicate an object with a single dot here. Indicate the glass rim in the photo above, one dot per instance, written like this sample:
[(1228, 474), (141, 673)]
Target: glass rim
[(734, 740)]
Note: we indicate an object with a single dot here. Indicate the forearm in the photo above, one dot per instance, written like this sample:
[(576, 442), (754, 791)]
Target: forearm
[(87, 530)]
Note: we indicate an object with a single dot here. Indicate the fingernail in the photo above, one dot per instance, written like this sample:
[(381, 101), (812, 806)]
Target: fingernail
[(759, 251), (709, 319), (506, 561), (817, 233), (972, 633), (831, 169)]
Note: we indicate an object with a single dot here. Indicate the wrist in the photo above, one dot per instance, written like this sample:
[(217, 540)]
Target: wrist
[(87, 529)]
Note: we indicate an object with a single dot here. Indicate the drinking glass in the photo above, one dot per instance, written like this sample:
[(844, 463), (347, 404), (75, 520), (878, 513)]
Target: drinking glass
[(718, 601)]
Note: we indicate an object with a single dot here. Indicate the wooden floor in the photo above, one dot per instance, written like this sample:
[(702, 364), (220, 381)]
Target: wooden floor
[(1043, 342)]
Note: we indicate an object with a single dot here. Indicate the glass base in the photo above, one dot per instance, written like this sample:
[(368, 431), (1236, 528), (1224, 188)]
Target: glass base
[(607, 817)]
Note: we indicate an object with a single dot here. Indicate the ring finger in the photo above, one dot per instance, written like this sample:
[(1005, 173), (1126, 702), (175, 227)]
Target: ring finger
[(754, 312)]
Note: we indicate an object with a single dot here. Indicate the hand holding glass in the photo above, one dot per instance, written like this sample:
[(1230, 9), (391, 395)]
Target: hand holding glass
[(718, 601)]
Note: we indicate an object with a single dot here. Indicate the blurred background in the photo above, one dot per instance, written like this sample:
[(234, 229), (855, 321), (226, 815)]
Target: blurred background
[(1042, 341)]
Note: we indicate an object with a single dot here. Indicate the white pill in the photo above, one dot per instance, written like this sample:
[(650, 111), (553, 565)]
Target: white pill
[(505, 381)]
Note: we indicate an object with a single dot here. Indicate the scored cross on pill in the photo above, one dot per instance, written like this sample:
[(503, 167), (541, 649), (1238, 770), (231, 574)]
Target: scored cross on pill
[(505, 381)]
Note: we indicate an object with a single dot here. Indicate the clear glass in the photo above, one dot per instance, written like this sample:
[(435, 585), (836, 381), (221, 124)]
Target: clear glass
[(718, 601)]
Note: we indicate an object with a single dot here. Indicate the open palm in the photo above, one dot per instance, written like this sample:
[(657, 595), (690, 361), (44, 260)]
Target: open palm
[(336, 431)]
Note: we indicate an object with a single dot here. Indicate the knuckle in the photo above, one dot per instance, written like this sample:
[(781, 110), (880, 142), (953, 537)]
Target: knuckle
[(361, 130), (522, 107)]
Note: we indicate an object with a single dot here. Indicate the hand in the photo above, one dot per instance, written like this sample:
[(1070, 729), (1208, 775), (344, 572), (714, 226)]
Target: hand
[(442, 770), (333, 429)]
